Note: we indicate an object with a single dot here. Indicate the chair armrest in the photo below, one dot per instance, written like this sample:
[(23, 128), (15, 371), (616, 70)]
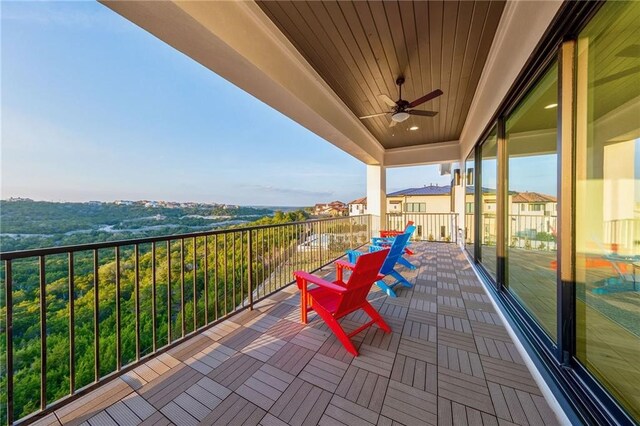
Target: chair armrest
[(381, 240), (345, 264), (388, 233), (353, 255), (377, 248), (305, 277), (341, 265)]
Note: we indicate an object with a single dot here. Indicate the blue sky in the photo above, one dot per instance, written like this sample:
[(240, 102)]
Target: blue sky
[(94, 108)]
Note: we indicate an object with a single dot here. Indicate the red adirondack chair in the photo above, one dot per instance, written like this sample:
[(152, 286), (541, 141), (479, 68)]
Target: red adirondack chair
[(334, 300), (384, 233)]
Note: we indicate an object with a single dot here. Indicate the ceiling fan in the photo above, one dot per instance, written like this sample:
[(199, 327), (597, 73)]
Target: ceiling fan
[(401, 109)]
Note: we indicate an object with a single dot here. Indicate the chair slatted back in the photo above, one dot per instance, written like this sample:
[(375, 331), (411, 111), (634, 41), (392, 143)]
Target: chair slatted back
[(397, 249), (362, 278)]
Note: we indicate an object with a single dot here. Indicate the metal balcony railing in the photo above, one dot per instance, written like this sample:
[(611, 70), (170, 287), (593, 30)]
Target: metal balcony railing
[(75, 317), (441, 227)]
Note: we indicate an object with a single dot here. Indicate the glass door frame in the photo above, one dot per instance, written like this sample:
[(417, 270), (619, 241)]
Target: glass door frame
[(585, 395)]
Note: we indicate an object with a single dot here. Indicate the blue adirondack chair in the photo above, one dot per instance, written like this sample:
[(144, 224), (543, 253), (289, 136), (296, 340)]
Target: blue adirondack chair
[(388, 267), (388, 241)]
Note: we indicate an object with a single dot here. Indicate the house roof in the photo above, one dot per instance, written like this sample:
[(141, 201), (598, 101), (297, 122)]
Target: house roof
[(425, 190), (362, 200), (533, 197), (471, 190)]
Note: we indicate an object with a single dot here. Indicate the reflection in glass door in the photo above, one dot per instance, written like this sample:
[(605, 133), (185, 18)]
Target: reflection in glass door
[(608, 201), (469, 204), (488, 203), (532, 213)]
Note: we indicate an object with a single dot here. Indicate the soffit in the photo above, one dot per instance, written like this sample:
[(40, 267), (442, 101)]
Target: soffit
[(360, 48)]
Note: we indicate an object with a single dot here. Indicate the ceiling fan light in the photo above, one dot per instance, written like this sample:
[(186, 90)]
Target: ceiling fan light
[(399, 117)]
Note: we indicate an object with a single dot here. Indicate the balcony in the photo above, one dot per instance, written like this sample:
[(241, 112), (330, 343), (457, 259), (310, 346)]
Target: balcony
[(523, 97), (449, 360)]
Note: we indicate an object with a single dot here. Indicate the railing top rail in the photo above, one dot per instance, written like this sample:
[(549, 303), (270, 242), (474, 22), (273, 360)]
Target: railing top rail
[(421, 213), (21, 254)]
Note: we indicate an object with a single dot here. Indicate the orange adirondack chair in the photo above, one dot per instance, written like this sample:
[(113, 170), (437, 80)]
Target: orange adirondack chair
[(334, 300)]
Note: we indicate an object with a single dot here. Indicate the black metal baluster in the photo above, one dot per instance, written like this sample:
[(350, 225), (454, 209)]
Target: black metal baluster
[(154, 331), (96, 318), (183, 323), (118, 313), (242, 267), (43, 334), (8, 291), (215, 286), (72, 326), (262, 270), (195, 290), (233, 273), (226, 275), (169, 320), (206, 279), (270, 244), (250, 269), (136, 249)]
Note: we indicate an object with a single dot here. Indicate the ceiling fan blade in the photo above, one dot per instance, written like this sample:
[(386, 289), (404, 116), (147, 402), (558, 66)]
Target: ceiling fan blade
[(393, 123), (387, 100), (374, 115), (423, 113), (426, 98)]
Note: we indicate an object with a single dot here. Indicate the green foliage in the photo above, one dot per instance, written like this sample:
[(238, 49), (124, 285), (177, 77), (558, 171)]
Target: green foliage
[(227, 275), (32, 224)]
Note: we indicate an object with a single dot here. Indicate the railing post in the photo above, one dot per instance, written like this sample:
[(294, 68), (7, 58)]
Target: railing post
[(250, 270)]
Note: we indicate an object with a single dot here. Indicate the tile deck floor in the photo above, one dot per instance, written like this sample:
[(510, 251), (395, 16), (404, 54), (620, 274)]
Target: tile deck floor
[(448, 361)]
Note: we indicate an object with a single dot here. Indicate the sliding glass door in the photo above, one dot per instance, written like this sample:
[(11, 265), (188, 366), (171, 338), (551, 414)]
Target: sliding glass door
[(488, 203), (532, 214), (608, 201)]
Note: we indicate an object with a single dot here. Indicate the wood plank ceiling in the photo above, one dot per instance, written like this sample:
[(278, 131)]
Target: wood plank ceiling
[(359, 48)]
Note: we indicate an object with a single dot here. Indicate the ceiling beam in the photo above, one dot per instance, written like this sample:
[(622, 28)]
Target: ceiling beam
[(434, 153), (237, 41)]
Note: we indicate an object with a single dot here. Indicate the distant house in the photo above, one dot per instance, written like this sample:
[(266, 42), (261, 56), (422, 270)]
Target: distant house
[(534, 203), (358, 207), (334, 208), (533, 216), (425, 199)]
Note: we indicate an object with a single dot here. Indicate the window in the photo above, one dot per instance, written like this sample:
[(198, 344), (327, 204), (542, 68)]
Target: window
[(469, 208), (531, 133), (488, 183), (415, 207), (608, 201)]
